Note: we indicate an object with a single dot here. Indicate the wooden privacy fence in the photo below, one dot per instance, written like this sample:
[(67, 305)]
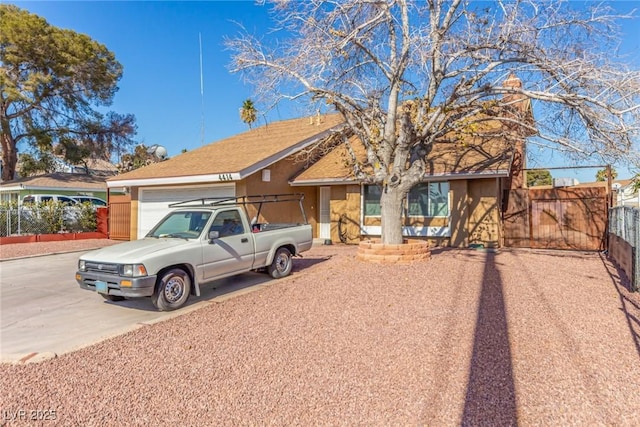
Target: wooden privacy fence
[(120, 217), (556, 218)]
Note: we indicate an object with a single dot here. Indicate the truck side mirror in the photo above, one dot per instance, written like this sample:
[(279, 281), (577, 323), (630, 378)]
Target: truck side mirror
[(214, 234)]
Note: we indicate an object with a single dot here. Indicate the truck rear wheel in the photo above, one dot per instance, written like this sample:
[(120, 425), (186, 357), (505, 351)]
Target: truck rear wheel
[(172, 290), (281, 264)]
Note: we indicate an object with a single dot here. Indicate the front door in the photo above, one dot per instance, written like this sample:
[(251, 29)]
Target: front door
[(325, 213)]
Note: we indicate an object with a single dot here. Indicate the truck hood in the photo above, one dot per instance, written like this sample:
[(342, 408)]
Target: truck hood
[(135, 251)]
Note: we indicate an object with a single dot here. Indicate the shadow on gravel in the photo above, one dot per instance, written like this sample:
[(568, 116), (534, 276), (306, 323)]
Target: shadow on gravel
[(300, 264), (208, 291), (224, 286), (630, 308), (491, 396)]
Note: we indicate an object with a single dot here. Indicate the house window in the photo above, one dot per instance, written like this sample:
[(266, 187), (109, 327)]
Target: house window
[(372, 194), (429, 200)]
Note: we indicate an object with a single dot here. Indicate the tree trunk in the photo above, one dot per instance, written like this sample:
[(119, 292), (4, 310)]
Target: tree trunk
[(391, 215), (9, 155)]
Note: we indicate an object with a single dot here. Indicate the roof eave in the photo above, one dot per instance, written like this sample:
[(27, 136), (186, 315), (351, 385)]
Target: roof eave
[(472, 175), (175, 180), (323, 181), (450, 176), (24, 187)]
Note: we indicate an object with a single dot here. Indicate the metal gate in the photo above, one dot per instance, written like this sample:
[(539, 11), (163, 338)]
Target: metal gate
[(120, 217), (556, 218)]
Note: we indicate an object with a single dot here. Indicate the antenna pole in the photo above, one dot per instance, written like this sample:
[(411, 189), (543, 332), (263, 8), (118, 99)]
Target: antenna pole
[(201, 93)]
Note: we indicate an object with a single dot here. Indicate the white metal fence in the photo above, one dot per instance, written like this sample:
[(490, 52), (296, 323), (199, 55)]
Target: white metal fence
[(624, 222)]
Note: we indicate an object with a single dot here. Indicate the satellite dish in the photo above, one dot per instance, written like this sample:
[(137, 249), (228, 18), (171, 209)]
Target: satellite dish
[(616, 186), (158, 151), (161, 152)]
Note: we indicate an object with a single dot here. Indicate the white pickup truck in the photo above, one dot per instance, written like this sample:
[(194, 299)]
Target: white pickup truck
[(199, 241)]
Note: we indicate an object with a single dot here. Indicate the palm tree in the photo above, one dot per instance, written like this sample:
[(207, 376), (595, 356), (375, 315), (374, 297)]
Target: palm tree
[(601, 175), (248, 112)]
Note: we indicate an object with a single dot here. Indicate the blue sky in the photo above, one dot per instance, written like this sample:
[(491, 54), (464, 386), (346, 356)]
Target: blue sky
[(157, 42)]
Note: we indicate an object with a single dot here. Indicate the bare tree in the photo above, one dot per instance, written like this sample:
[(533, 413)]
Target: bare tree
[(454, 61)]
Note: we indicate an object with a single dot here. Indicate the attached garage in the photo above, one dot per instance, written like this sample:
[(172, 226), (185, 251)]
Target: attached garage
[(153, 203)]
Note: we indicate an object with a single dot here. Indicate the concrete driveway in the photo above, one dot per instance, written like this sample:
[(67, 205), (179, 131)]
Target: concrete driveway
[(43, 311)]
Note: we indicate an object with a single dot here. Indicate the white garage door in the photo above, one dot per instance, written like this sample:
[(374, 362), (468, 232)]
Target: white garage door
[(154, 202)]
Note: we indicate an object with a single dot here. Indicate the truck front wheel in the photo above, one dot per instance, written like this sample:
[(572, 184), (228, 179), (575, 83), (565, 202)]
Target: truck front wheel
[(281, 265), (172, 290)]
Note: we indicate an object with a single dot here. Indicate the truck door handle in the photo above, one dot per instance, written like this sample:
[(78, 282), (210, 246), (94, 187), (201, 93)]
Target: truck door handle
[(244, 240)]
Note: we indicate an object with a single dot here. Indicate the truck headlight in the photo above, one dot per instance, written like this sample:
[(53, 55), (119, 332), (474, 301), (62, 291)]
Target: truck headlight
[(81, 265), (134, 270)]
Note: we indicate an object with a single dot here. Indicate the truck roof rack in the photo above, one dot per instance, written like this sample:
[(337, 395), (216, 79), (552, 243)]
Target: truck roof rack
[(239, 200), (256, 199)]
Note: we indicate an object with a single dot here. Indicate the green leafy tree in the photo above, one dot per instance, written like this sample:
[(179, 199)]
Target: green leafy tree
[(601, 175), (248, 112), (539, 177), (52, 81), (454, 60), (138, 158), (31, 165)]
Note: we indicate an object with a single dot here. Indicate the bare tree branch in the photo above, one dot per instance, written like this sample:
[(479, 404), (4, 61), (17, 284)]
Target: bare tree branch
[(406, 74)]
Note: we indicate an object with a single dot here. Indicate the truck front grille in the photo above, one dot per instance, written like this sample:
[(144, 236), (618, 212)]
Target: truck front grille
[(101, 267)]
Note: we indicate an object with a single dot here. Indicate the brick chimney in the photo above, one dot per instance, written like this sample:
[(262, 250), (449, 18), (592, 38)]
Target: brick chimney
[(519, 106), (517, 101)]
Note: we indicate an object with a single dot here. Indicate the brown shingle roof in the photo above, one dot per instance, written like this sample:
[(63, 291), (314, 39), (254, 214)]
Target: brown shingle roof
[(58, 180), (240, 153), (477, 157)]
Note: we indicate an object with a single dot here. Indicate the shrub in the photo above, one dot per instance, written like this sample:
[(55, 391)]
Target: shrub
[(49, 216), (87, 220)]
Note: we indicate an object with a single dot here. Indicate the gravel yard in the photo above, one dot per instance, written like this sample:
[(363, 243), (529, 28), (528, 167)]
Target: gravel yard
[(21, 250), (466, 338)]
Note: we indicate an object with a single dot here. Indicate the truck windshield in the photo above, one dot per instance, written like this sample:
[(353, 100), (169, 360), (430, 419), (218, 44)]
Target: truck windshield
[(181, 224)]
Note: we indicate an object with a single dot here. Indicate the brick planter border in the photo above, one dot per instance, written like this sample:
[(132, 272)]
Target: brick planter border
[(52, 237), (411, 250)]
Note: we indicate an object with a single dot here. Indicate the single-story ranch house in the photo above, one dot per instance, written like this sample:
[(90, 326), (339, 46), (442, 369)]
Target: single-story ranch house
[(458, 204)]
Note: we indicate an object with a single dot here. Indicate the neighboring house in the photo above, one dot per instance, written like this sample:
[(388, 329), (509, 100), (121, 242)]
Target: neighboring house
[(71, 184), (97, 167), (626, 194), (459, 202)]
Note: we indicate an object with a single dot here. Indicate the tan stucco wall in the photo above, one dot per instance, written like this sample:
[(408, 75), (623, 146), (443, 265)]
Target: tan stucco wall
[(280, 173)]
